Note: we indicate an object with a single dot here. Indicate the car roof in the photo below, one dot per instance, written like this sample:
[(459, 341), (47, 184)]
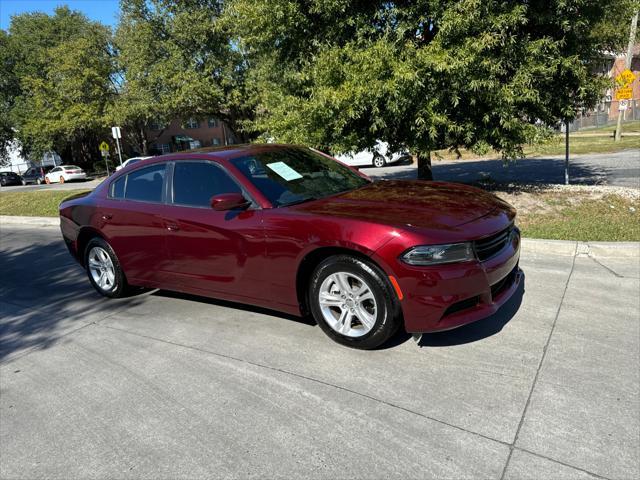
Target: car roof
[(228, 152), (214, 153)]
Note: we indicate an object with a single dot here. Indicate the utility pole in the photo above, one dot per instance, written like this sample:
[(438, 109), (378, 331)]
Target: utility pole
[(566, 151), (632, 38)]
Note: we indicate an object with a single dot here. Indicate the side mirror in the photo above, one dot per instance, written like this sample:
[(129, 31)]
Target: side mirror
[(229, 201)]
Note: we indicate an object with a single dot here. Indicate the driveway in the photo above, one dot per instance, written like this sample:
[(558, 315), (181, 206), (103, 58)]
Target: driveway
[(163, 385), (620, 169)]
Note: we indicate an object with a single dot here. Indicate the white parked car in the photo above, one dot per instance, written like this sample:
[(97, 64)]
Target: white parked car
[(130, 161), (378, 156), (65, 173)]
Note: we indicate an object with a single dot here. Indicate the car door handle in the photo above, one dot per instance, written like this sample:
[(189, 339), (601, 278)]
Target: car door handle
[(106, 216), (172, 227)]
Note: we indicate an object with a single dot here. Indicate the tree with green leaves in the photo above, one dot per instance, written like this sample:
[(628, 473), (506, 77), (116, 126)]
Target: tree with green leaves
[(176, 60), (8, 90), (422, 75), (63, 65)]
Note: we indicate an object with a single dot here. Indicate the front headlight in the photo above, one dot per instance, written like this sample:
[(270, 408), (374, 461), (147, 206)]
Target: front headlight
[(437, 254)]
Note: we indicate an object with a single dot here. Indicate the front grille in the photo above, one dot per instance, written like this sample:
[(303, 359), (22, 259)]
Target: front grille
[(487, 247)]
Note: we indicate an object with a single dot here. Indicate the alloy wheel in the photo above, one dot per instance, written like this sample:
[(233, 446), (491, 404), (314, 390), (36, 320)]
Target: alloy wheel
[(101, 269), (347, 304)]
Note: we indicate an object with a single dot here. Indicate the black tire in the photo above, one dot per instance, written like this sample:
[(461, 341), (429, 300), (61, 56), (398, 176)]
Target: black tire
[(388, 315), (379, 161), (120, 288)]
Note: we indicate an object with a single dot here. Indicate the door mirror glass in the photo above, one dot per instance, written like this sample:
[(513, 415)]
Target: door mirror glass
[(229, 201)]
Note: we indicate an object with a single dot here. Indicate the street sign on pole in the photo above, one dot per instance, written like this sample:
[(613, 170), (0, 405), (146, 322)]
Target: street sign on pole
[(623, 104), (624, 93), (625, 78), (104, 151), (115, 131)]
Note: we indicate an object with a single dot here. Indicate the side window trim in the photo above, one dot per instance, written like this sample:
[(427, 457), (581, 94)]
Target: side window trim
[(254, 205)]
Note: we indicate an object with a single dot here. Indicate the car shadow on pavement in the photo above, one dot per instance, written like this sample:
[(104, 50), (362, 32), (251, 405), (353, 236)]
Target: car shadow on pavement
[(478, 330), (44, 295), (306, 320), (524, 171)]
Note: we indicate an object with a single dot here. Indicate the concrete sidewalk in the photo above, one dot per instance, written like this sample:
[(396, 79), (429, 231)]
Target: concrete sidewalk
[(176, 386)]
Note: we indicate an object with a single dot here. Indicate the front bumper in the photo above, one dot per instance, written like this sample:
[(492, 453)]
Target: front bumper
[(442, 297)]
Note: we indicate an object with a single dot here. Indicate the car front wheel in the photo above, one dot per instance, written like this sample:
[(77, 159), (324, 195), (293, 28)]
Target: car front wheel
[(353, 302), (379, 161), (103, 269)]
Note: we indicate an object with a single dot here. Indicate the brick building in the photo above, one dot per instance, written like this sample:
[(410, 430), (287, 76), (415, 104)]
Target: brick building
[(606, 112), (187, 134)]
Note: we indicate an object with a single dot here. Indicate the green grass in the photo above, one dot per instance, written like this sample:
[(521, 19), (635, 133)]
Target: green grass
[(590, 140), (631, 126), (612, 218), (34, 203), (583, 144)]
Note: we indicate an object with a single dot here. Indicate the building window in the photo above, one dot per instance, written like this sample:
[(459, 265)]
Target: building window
[(192, 123), (157, 125), (161, 148), (215, 141), (212, 122)]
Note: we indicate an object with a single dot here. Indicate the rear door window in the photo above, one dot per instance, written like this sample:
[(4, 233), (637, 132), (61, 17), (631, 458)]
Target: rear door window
[(145, 184), (194, 183), (117, 188)]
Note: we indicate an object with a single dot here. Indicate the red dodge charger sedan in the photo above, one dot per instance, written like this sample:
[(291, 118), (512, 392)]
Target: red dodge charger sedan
[(291, 229)]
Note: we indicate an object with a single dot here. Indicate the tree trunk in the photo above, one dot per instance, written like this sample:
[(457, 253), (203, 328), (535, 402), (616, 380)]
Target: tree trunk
[(144, 142), (424, 166)]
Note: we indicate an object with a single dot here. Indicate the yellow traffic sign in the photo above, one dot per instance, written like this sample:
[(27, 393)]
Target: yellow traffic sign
[(104, 146), (624, 93), (625, 78)]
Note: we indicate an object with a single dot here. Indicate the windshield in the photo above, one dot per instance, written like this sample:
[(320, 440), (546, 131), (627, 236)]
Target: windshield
[(293, 175)]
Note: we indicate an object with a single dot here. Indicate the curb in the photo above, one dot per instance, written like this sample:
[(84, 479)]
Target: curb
[(29, 221), (529, 245), (572, 248)]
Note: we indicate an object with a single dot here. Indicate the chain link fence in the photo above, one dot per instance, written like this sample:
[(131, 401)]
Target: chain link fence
[(602, 116)]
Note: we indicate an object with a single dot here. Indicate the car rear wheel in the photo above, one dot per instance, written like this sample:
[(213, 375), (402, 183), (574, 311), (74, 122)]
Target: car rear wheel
[(353, 302), (379, 161), (103, 269)]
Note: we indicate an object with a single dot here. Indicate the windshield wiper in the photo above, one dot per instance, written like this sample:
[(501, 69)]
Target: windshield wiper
[(296, 202)]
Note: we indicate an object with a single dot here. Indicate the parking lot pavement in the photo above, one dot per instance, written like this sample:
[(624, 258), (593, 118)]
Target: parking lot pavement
[(169, 385), (89, 184), (619, 169)]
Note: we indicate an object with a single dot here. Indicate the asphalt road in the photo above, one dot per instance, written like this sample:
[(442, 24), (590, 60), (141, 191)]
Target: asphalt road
[(171, 386), (619, 169), (90, 184)]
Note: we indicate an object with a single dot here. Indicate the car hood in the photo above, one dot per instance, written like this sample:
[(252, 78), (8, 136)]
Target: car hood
[(406, 203)]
